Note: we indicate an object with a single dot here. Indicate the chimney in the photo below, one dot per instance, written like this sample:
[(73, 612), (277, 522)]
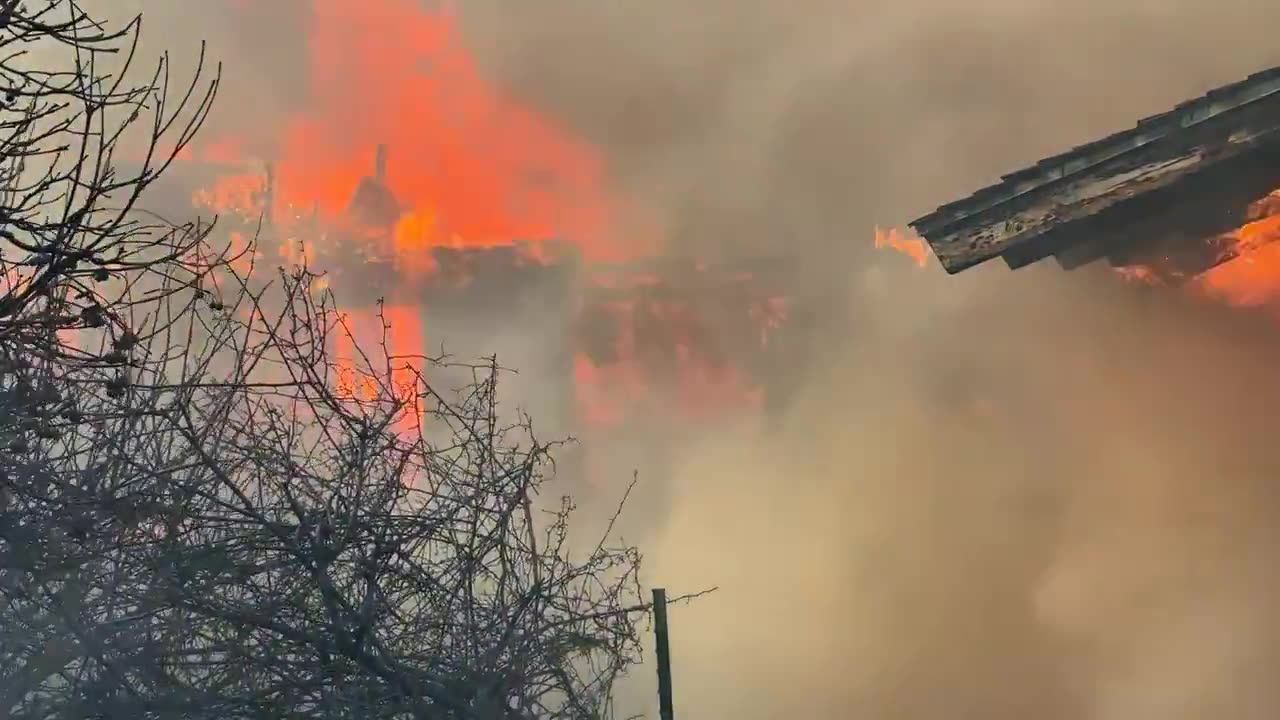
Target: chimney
[(380, 164)]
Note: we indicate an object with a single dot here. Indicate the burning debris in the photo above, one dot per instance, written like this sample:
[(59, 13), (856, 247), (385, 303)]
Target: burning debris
[(1178, 195)]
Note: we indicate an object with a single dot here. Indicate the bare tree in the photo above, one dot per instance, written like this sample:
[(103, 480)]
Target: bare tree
[(195, 520), (76, 248), (218, 546), (79, 258)]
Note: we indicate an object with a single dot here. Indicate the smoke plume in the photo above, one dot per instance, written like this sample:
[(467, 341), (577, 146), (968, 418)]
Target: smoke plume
[(995, 495), (999, 495)]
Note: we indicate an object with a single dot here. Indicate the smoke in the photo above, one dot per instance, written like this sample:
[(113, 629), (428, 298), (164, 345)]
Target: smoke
[(761, 125), (1056, 506), (995, 495), (260, 46), (998, 495)]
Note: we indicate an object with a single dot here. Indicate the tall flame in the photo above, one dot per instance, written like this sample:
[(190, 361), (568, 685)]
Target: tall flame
[(397, 104), (469, 166)]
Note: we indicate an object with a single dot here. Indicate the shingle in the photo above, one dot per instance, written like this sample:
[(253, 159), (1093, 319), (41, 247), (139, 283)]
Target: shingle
[(1052, 169)]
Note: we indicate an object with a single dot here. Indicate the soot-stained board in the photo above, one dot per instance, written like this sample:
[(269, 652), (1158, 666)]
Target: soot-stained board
[(1158, 193)]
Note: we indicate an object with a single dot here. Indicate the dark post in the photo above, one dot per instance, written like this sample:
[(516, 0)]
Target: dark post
[(665, 710), (380, 164)]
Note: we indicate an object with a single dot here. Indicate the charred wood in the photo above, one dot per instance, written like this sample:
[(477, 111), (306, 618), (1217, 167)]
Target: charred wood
[(1197, 167)]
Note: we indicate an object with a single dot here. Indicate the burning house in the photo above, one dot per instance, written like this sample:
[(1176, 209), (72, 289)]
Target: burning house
[(1177, 195), (451, 231), (609, 343)]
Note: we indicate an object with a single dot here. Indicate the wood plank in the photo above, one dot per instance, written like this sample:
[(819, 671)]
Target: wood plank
[(1212, 106), (1046, 210), (1122, 179)]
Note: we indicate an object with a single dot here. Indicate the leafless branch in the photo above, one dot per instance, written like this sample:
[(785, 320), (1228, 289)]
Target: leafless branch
[(197, 518)]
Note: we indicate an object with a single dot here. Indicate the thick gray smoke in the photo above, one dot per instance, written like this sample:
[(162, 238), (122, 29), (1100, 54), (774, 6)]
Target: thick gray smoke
[(1001, 495), (261, 47), (998, 495), (762, 123)]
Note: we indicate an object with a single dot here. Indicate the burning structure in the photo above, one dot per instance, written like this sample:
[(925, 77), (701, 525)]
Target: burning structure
[(481, 225), (1177, 195), (609, 335)]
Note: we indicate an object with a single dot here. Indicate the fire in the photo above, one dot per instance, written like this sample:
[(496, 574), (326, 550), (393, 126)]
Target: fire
[(458, 165), (406, 150), (1253, 277), (642, 331), (414, 235), (469, 166), (907, 244), (1139, 274), (1250, 280), (1248, 274), (240, 193), (359, 343)]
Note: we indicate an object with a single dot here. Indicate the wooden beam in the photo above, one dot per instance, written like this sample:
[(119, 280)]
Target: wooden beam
[(1047, 209), (1175, 229)]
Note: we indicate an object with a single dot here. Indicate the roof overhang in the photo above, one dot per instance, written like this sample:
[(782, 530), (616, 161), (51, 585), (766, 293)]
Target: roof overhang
[(1160, 194)]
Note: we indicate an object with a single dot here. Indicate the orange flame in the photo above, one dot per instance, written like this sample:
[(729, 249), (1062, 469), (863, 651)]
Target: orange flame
[(465, 167), (468, 165), (904, 242), (359, 344), (1252, 278), (240, 193)]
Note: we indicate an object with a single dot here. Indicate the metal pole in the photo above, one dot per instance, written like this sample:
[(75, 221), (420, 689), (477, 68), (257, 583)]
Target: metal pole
[(665, 711)]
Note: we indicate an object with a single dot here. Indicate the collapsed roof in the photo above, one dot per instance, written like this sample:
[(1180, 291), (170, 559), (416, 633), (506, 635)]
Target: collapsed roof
[(1161, 194)]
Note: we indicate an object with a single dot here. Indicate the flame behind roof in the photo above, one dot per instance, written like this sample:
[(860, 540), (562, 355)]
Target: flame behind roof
[(1158, 193)]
